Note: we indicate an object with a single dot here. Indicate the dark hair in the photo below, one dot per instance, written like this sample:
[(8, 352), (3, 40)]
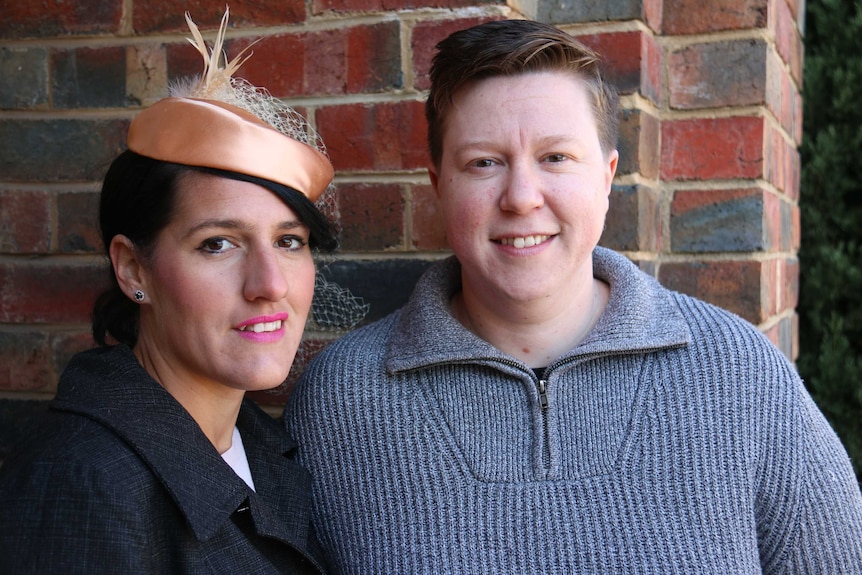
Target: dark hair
[(137, 201), (510, 48)]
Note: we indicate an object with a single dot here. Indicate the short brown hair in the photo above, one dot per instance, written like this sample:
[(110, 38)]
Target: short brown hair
[(510, 48)]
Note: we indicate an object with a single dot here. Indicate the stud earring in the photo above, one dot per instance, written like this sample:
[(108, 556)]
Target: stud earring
[(139, 296)]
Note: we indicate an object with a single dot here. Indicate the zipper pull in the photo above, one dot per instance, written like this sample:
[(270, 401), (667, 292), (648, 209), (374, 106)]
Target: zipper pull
[(543, 396)]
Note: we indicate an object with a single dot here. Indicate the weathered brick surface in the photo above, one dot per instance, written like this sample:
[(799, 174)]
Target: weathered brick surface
[(697, 16), (383, 136), (23, 78), (165, 15), (703, 221), (429, 233), (713, 74), (708, 181), (89, 78), (588, 11), (371, 217), (59, 18), (633, 222), (638, 143), (632, 59), (49, 290), (720, 148), (57, 150), (733, 285), (25, 221), (78, 222)]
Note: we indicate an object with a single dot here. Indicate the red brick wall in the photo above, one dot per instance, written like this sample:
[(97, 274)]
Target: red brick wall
[(706, 197)]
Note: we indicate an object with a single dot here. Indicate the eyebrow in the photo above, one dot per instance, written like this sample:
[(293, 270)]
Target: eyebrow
[(235, 224)]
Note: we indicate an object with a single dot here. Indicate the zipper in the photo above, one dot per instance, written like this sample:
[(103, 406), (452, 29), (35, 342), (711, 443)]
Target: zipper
[(543, 410)]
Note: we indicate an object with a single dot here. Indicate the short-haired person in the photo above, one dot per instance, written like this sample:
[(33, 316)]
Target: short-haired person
[(542, 406), (149, 459)]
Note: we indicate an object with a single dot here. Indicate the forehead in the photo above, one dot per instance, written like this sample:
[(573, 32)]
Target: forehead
[(547, 100), (201, 194)]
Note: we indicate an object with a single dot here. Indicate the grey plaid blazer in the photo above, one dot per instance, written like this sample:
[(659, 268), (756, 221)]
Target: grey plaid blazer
[(118, 478)]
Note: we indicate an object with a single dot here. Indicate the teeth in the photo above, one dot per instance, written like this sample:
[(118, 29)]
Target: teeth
[(525, 242), (262, 327)]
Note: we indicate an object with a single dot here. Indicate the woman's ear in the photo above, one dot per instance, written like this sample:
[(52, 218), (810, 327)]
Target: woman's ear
[(127, 264)]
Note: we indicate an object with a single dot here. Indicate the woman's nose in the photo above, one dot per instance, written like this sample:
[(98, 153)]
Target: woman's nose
[(523, 192), (265, 277)]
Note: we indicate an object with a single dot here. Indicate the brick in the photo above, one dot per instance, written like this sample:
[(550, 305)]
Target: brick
[(426, 35), (321, 6), (638, 144), (146, 74), (718, 74), (783, 98), (733, 285), (67, 343), (382, 136), (23, 78), (589, 11), (372, 217), (697, 17), (278, 64), (25, 221), (632, 61), (783, 335), (788, 40), (50, 290), (703, 221), (782, 163), (374, 58), (703, 149), (429, 231), (89, 78), (74, 149), (164, 16), (59, 18), (25, 361), (78, 222), (633, 222), (354, 60), (652, 14)]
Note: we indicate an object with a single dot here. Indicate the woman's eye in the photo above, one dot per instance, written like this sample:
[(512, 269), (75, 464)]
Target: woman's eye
[(291, 242), (555, 158), (216, 245), (483, 163)]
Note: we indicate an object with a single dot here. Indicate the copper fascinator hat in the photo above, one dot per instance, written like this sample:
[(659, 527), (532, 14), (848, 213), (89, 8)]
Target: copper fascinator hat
[(217, 121)]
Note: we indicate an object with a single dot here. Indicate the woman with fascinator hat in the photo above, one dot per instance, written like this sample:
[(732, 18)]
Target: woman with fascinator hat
[(150, 459)]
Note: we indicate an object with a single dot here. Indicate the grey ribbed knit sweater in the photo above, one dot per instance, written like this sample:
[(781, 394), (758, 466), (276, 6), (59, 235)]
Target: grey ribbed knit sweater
[(675, 439)]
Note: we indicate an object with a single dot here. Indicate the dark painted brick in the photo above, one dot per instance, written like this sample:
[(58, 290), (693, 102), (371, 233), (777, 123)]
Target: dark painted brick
[(58, 150), (638, 144), (733, 285), (23, 78), (697, 16), (25, 221), (59, 18), (25, 362), (571, 11), (78, 222), (715, 74), (717, 221), (89, 78), (16, 417), (633, 222), (166, 16), (48, 290), (385, 285), (371, 216)]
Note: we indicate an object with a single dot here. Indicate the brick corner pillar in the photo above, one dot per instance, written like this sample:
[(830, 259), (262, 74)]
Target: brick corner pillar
[(706, 194)]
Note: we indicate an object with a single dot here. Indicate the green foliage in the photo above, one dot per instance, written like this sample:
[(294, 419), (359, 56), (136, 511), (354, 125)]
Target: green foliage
[(830, 308)]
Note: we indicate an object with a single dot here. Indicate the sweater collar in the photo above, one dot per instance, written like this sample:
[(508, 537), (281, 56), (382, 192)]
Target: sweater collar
[(109, 386), (641, 316)]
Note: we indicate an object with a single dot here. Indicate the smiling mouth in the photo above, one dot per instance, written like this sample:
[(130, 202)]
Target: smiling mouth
[(524, 242), (263, 326)]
